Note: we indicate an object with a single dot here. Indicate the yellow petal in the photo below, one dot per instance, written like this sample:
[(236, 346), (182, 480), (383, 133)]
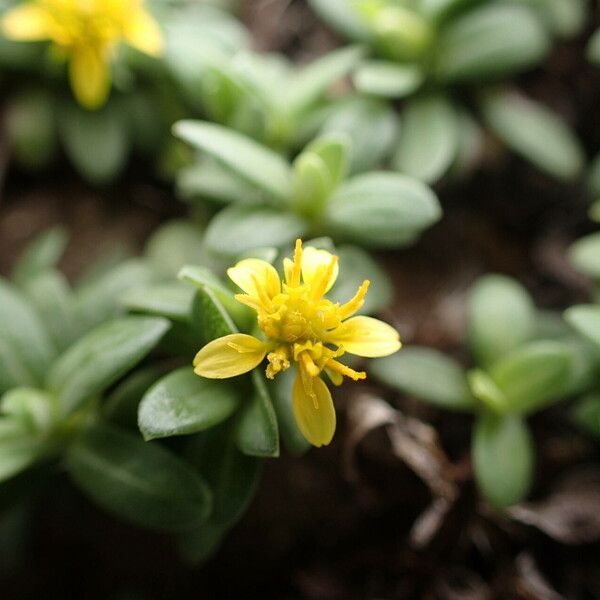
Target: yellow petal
[(314, 262), (90, 77), (229, 356), (27, 23), (315, 415), (365, 336), (252, 272), (143, 33)]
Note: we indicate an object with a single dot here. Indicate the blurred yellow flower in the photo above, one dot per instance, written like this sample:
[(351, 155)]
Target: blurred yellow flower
[(301, 327), (87, 32)]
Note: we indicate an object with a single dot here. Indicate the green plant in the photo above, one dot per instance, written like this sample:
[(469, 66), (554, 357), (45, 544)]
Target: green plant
[(435, 53), (272, 202), (524, 360)]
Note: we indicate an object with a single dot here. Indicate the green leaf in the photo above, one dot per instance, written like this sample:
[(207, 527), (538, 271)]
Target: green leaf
[(182, 403), (142, 483), (31, 132), (585, 255), (281, 393), (23, 336), (257, 433), (565, 18), (372, 126), (210, 317), (121, 406), (593, 48), (343, 17), (426, 374), (586, 413), (101, 357), (98, 300), (208, 180), (174, 244), (97, 142), (54, 301), (201, 543), (18, 454), (501, 317), (258, 165), (533, 376), (313, 81), (593, 185), (534, 132), (585, 319), (232, 476), (32, 407), (170, 300), (484, 388), (388, 79), (382, 209), (42, 254), (491, 40), (503, 458), (428, 140), (356, 265), (242, 316), (312, 184), (238, 228)]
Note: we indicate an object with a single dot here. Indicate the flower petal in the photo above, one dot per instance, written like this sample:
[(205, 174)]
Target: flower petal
[(90, 77), (27, 23), (229, 356), (143, 33), (315, 416), (365, 336), (250, 272), (313, 263)]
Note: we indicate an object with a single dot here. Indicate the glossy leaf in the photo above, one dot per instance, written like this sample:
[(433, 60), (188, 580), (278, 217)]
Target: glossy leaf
[(140, 482), (388, 79), (101, 357), (534, 375), (23, 336), (42, 254), (586, 320), (97, 141), (372, 126), (238, 228), (535, 132), (382, 209), (182, 403), (428, 140), (427, 375), (503, 458), (258, 165), (491, 40), (257, 432), (501, 316), (170, 300), (585, 255)]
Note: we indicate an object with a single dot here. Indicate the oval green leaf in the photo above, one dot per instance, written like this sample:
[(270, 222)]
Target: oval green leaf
[(139, 482)]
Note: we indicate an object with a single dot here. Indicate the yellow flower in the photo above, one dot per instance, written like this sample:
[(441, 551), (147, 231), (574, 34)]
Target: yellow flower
[(87, 32), (300, 326)]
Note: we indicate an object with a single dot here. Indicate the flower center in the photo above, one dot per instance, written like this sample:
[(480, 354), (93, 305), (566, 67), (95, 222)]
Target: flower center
[(295, 316)]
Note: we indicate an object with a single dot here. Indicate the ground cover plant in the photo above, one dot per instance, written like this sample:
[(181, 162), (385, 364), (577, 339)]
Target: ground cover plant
[(282, 307)]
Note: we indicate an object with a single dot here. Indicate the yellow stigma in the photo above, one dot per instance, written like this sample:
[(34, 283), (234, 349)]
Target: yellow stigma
[(300, 327), (86, 33)]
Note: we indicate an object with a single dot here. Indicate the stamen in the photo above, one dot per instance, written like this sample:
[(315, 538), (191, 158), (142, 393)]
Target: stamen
[(297, 269), (309, 364), (334, 365), (348, 309)]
